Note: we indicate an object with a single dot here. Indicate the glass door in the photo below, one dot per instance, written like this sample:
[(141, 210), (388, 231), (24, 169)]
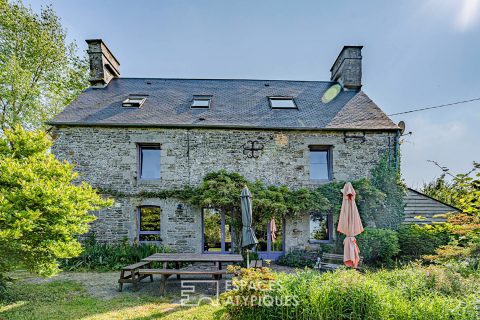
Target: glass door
[(271, 245), (216, 231)]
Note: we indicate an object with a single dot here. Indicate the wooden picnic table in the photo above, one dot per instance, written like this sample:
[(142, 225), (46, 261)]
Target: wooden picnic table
[(217, 259), (178, 258)]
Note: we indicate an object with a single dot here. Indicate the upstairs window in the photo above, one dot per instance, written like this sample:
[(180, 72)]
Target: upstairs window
[(201, 102), (149, 223), (134, 101), (149, 162), (320, 163), (282, 103)]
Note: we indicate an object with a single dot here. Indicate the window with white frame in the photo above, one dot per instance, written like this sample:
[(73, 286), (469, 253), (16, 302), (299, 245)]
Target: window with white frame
[(201, 102), (282, 103), (134, 101)]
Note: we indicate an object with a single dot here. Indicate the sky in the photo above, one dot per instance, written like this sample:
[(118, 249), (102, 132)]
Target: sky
[(417, 53)]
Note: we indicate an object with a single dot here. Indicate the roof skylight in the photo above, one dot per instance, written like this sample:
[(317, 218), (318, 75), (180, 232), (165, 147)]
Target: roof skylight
[(201, 102), (282, 103), (134, 101)]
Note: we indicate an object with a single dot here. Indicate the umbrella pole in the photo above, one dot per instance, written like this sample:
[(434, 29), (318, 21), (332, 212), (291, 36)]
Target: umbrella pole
[(248, 259)]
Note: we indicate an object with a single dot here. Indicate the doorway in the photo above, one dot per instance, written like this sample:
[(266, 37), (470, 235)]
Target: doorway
[(270, 248), (217, 231)]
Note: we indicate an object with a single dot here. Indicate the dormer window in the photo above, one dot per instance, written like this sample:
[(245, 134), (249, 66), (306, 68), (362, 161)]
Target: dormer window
[(134, 101), (201, 102), (282, 103)]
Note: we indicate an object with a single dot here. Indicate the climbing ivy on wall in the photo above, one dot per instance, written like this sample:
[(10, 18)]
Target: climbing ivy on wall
[(379, 199), (386, 178), (370, 200)]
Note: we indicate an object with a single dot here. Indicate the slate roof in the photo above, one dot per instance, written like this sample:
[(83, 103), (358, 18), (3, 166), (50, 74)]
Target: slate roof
[(235, 103)]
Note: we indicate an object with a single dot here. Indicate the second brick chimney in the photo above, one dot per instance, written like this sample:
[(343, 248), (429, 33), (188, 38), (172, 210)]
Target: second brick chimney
[(103, 64), (347, 69)]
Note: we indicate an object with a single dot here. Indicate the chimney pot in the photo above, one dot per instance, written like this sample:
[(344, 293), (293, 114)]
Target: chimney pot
[(103, 64), (347, 69)]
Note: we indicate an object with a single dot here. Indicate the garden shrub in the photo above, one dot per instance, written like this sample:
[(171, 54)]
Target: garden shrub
[(378, 246), (415, 280), (462, 259), (251, 285), (109, 257), (416, 241), (411, 292), (299, 258)]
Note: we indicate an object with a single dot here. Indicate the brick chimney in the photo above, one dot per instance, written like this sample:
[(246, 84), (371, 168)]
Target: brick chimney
[(103, 65), (347, 69)]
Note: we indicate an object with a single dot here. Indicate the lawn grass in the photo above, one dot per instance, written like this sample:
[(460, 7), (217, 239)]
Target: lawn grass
[(66, 300)]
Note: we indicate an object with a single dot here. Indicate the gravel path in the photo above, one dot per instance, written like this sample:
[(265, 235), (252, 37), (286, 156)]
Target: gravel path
[(104, 285)]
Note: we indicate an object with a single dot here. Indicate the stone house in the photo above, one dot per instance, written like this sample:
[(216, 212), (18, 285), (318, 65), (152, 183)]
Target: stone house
[(130, 135)]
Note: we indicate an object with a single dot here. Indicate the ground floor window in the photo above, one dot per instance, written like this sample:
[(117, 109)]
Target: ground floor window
[(218, 235), (321, 227), (149, 223)]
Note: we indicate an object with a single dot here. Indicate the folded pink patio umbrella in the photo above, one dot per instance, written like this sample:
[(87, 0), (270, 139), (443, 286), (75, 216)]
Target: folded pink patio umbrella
[(273, 229), (350, 225)]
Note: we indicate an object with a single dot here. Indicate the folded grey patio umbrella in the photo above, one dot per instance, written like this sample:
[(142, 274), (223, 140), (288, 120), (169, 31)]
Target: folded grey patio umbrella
[(249, 240)]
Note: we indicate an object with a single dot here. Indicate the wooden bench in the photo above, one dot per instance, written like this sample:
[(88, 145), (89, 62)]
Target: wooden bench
[(133, 275), (331, 261), (165, 273)]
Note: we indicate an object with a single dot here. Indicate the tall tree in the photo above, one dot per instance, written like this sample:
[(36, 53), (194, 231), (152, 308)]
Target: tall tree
[(452, 188), (40, 72), (42, 210)]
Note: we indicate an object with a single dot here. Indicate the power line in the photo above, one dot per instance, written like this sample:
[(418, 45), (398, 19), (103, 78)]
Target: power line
[(435, 107)]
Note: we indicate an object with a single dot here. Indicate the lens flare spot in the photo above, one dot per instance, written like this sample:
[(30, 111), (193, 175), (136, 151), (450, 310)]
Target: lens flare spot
[(331, 93)]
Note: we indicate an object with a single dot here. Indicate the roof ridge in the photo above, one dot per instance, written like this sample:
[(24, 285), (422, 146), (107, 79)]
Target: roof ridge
[(221, 79)]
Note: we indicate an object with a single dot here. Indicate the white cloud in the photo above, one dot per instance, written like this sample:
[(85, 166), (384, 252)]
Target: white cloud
[(461, 14), (468, 15)]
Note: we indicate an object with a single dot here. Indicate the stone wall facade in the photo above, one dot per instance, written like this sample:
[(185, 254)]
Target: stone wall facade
[(107, 158)]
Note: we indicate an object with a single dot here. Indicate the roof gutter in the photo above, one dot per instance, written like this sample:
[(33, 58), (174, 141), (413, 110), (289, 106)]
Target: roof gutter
[(206, 126)]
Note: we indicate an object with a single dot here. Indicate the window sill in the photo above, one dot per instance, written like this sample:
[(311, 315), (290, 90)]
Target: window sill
[(321, 181), (313, 241), (149, 182)]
